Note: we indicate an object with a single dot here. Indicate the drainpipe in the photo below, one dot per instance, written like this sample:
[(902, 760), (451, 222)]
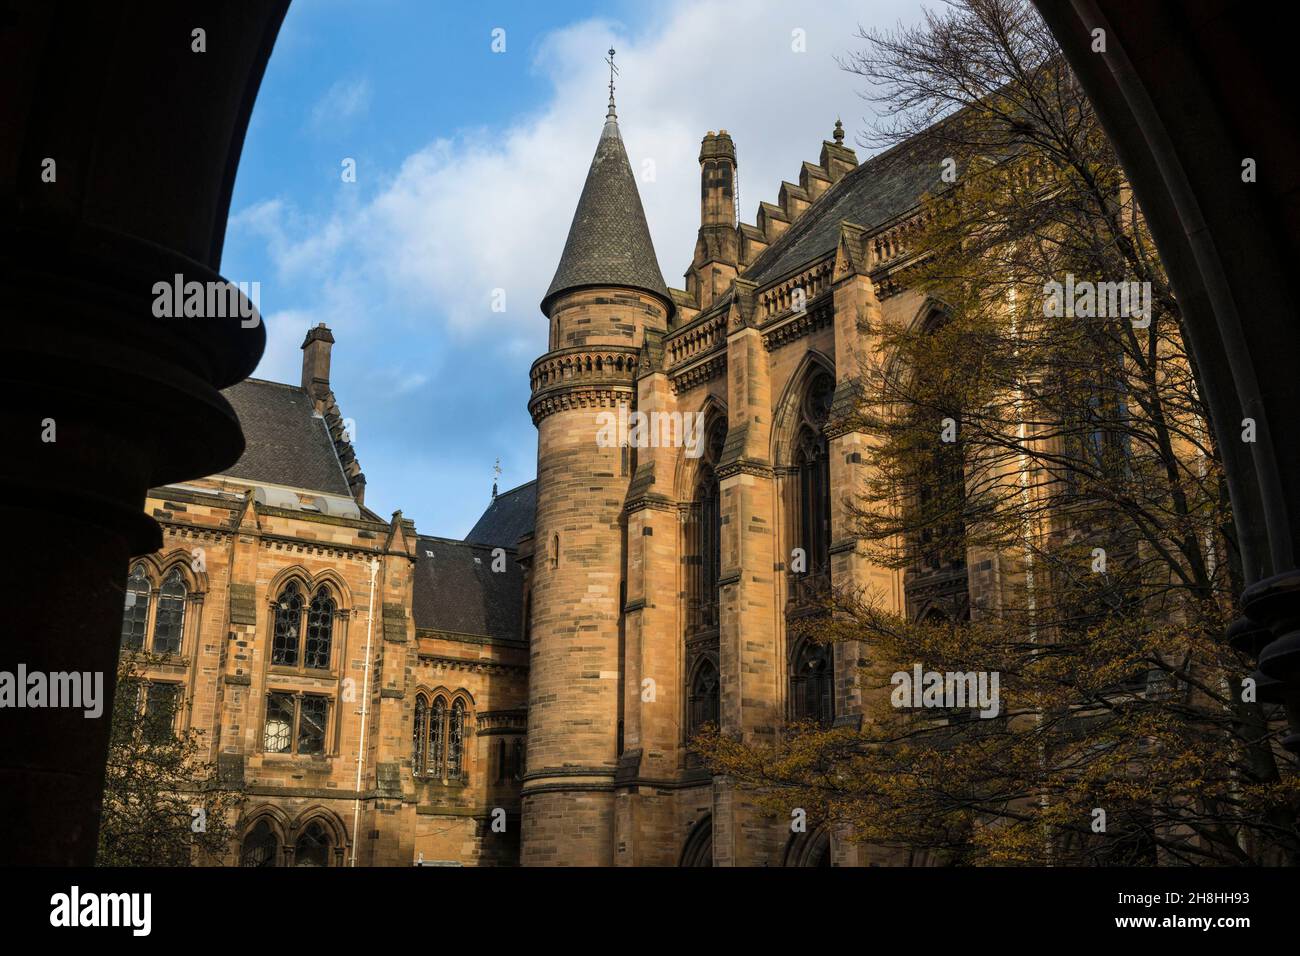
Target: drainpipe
[(365, 702)]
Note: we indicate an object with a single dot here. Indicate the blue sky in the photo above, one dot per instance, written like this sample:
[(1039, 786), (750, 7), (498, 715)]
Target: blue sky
[(469, 163)]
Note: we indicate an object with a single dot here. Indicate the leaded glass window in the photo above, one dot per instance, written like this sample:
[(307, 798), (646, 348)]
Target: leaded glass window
[(161, 704), (313, 847), (288, 620), (456, 739), (438, 745), (436, 731), (312, 715), (420, 735), (135, 615), (811, 686), (261, 848), (170, 616), (704, 696), (279, 723), (320, 627)]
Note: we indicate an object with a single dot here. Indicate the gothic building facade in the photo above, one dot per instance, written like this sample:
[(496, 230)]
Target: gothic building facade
[(526, 695)]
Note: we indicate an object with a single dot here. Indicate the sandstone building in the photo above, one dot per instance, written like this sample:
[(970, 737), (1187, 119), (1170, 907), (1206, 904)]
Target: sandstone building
[(526, 695)]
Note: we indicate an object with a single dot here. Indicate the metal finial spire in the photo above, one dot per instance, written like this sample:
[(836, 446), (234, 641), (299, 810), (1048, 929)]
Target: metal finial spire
[(613, 72), (496, 474)]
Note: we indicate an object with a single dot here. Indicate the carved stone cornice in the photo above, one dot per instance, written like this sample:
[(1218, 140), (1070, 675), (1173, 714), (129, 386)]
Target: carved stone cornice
[(745, 466), (471, 666), (706, 369), (795, 325), (567, 398)]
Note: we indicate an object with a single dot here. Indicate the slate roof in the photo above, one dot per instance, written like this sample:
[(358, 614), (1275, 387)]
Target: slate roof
[(509, 517), (609, 241), (286, 442), (457, 590), (879, 189)]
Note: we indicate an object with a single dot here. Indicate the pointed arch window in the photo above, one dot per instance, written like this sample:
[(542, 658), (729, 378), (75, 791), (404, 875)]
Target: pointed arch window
[(169, 619), (809, 493), (313, 846), (261, 847), (288, 625), (704, 537), (135, 615), (420, 734), (704, 696), (438, 738), (320, 630), (456, 739), (812, 695), (303, 630)]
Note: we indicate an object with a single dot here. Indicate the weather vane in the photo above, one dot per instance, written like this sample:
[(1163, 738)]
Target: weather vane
[(613, 72)]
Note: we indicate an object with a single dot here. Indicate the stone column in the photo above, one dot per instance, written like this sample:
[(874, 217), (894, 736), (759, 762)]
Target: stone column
[(749, 654)]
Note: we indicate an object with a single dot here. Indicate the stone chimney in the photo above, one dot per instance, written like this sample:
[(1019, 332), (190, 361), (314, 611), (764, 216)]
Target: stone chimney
[(316, 362)]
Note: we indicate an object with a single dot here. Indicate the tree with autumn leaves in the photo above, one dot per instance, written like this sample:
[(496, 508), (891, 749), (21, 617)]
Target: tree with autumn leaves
[(164, 804), (1028, 430)]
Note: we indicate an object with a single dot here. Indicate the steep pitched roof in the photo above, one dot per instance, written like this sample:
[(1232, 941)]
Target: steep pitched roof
[(508, 518), (884, 186), (456, 590), (609, 241), (286, 442)]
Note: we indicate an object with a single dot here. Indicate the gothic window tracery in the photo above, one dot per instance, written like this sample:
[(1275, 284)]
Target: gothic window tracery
[(809, 494), (704, 697), (812, 695), (704, 537), (261, 846), (135, 615), (303, 632), (313, 846), (169, 618), (438, 737)]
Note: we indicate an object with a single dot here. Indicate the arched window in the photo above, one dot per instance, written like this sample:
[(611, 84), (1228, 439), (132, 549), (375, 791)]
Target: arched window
[(169, 619), (809, 493), (135, 615), (420, 734), (303, 636), (261, 847), (288, 626), (704, 537), (320, 630), (437, 735), (704, 696), (456, 739), (811, 683), (698, 850), (313, 846), (438, 745)]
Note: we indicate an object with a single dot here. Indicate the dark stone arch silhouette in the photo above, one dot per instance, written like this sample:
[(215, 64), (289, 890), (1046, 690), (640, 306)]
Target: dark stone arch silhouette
[(145, 135), (1188, 91)]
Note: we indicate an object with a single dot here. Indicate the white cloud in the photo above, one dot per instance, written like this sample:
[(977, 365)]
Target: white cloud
[(342, 102), (488, 209)]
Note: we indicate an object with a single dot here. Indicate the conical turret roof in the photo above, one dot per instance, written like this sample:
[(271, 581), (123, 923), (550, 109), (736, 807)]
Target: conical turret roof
[(609, 241)]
